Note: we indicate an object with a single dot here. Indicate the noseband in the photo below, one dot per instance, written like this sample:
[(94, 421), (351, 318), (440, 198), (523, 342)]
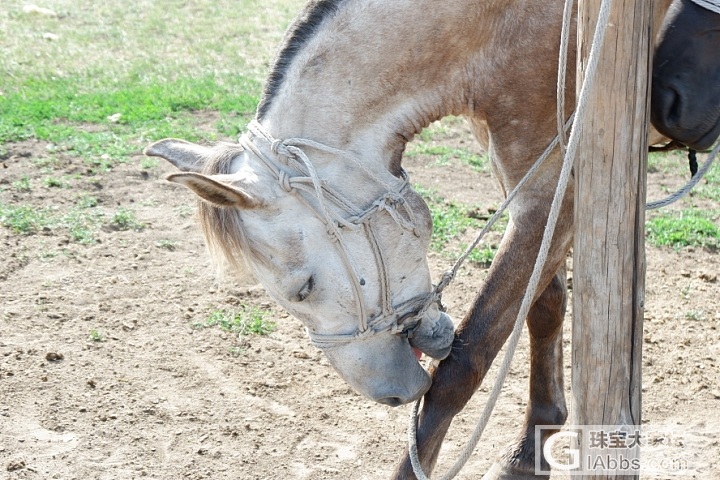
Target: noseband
[(291, 166)]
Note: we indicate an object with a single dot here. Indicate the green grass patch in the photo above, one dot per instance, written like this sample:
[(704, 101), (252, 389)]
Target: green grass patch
[(675, 163), (443, 129), (248, 320), (443, 154), (52, 182), (113, 77), (106, 121), (446, 129), (33, 109), (450, 221), (688, 228), (483, 255), (22, 185), (80, 223), (709, 187), (125, 219), (184, 211), (85, 201), (672, 163), (96, 336), (23, 219), (166, 244), (148, 163), (695, 315)]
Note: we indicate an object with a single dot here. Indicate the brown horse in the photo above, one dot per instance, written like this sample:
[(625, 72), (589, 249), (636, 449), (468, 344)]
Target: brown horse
[(315, 201)]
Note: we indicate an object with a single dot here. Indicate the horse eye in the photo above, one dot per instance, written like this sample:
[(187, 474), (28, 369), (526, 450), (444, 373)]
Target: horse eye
[(306, 289)]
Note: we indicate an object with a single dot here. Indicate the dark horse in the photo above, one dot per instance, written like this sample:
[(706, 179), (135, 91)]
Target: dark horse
[(686, 76)]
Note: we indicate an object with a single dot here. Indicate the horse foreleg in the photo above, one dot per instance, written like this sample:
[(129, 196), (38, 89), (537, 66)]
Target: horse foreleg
[(547, 400), (454, 381), (481, 335)]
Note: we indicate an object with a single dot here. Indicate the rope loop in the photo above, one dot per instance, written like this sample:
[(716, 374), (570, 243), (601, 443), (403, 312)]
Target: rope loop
[(284, 180), (278, 147), (389, 203)]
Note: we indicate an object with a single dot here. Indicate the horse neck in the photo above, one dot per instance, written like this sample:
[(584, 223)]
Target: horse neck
[(375, 74)]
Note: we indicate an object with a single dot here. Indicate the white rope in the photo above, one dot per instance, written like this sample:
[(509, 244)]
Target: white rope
[(712, 5), (688, 186), (562, 71), (563, 181), (452, 272)]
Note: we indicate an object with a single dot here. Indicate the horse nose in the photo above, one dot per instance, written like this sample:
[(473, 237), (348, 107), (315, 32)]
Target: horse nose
[(393, 401), (402, 399), (667, 107)]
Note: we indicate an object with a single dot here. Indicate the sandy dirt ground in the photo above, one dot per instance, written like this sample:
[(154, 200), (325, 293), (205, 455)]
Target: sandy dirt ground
[(102, 375)]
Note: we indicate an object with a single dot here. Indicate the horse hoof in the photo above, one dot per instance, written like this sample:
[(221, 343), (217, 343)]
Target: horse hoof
[(499, 472)]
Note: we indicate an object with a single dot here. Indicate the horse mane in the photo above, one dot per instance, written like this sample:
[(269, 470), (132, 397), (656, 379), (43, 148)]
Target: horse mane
[(301, 30), (222, 227)]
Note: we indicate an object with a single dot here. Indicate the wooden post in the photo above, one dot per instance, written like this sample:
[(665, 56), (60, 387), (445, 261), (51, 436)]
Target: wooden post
[(609, 254)]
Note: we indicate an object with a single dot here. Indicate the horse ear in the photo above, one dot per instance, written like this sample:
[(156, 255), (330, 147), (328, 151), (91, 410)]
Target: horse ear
[(186, 156), (214, 192)]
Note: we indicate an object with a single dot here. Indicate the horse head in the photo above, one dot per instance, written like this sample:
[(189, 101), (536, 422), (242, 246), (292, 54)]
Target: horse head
[(686, 76), (340, 247)]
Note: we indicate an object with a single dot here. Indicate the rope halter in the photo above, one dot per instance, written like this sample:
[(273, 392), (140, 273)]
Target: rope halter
[(712, 5), (295, 173)]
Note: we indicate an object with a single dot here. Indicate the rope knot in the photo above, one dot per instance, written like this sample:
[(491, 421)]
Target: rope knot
[(284, 180), (389, 203), (278, 147), (394, 198), (444, 281), (364, 334), (333, 233)]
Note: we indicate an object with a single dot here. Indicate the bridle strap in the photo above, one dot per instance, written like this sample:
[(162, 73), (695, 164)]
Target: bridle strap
[(387, 308), (321, 194)]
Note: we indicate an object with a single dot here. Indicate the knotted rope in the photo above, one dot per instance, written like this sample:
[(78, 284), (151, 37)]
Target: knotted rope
[(388, 322)]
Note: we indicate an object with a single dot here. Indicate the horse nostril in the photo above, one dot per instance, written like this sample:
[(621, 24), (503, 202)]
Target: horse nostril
[(674, 103), (391, 401), (667, 105)]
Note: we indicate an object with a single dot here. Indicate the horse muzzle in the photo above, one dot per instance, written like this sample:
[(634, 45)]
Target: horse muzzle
[(383, 368)]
